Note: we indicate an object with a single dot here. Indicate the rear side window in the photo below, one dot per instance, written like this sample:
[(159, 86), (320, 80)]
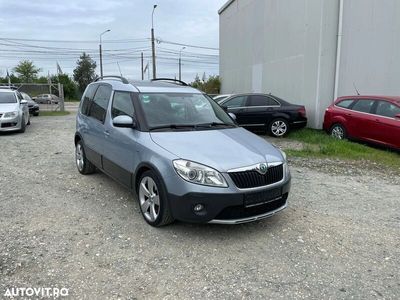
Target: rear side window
[(122, 105), (98, 108), (239, 101), (345, 103), (259, 100), (387, 109), (363, 106), (87, 99)]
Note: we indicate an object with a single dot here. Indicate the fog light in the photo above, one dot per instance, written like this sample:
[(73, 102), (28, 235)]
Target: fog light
[(198, 207)]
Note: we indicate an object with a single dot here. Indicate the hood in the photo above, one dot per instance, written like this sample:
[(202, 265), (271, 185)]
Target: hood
[(7, 107), (223, 149)]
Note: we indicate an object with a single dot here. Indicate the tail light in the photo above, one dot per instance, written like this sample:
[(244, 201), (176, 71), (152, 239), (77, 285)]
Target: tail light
[(302, 111)]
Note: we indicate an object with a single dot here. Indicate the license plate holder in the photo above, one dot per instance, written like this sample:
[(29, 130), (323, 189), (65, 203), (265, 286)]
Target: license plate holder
[(259, 198)]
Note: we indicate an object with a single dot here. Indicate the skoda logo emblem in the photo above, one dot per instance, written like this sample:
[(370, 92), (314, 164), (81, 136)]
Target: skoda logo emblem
[(262, 168)]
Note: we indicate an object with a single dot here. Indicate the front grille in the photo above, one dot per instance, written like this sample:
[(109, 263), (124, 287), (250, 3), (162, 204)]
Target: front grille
[(250, 179), (240, 211)]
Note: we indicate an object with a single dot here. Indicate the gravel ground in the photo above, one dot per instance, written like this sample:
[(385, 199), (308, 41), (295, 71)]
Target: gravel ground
[(338, 239)]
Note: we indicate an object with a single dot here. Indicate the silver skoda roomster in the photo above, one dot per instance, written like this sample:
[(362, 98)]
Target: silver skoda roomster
[(179, 152)]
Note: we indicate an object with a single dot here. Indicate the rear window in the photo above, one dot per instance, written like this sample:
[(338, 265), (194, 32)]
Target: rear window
[(345, 103), (7, 98), (387, 109), (98, 107), (87, 98)]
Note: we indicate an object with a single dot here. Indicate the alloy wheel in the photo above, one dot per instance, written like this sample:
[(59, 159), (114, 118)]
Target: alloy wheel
[(337, 132), (149, 198), (278, 128), (79, 157)]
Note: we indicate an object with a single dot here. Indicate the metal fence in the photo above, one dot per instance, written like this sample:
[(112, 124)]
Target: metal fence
[(35, 89)]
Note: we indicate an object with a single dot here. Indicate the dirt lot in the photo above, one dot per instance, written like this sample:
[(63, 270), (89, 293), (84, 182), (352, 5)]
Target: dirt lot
[(338, 239)]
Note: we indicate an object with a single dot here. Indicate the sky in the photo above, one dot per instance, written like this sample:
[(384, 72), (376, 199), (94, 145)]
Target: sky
[(48, 32)]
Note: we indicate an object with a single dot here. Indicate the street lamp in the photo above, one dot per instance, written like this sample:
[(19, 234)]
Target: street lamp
[(101, 57), (152, 42), (180, 63)]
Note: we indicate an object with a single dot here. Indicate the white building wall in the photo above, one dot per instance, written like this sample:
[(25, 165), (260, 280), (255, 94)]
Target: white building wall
[(279, 46), (371, 47), (288, 48)]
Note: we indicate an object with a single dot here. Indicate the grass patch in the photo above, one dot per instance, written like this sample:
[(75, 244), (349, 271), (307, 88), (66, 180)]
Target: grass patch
[(318, 143), (53, 113)]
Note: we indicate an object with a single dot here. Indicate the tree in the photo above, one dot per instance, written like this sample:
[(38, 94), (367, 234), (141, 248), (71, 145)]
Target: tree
[(84, 73), (69, 86), (212, 85), (27, 71)]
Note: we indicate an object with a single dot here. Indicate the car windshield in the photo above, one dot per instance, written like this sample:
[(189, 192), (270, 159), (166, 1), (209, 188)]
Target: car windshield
[(180, 110), (7, 98)]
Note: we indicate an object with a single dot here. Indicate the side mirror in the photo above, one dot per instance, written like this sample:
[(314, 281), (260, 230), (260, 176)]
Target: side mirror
[(232, 115), (397, 116), (24, 102), (225, 108), (124, 122)]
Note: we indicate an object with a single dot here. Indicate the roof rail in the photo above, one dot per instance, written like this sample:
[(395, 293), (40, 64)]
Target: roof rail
[(123, 79), (170, 79)]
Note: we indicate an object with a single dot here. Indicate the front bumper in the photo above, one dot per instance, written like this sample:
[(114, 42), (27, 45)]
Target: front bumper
[(230, 207), (33, 109), (10, 124)]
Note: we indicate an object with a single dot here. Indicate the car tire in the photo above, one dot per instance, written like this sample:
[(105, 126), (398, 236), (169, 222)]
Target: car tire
[(84, 166), (338, 131), (153, 200), (23, 125), (35, 114), (278, 127)]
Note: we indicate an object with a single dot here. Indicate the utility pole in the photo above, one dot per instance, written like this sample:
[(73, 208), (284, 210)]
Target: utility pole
[(101, 56), (152, 43), (142, 67), (180, 63)]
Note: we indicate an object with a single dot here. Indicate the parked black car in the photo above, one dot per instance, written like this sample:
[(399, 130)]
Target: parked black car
[(32, 105), (265, 111)]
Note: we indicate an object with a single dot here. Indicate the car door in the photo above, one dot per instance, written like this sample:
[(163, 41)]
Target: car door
[(95, 134), (120, 145), (360, 119), (238, 106), (386, 127), (260, 110)]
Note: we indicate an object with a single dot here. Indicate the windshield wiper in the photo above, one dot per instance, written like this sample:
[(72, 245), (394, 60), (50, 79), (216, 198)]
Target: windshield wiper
[(173, 126), (214, 124)]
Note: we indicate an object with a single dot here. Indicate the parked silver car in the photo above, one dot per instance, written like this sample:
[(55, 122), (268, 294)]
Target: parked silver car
[(180, 152), (46, 99), (14, 112)]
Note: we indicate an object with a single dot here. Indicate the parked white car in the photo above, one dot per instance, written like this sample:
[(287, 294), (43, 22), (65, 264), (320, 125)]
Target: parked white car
[(14, 112)]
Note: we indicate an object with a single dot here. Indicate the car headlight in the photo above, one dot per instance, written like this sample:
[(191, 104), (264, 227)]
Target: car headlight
[(285, 163), (11, 115), (199, 174)]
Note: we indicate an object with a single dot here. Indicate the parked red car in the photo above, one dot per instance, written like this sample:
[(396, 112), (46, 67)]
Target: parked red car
[(373, 119)]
